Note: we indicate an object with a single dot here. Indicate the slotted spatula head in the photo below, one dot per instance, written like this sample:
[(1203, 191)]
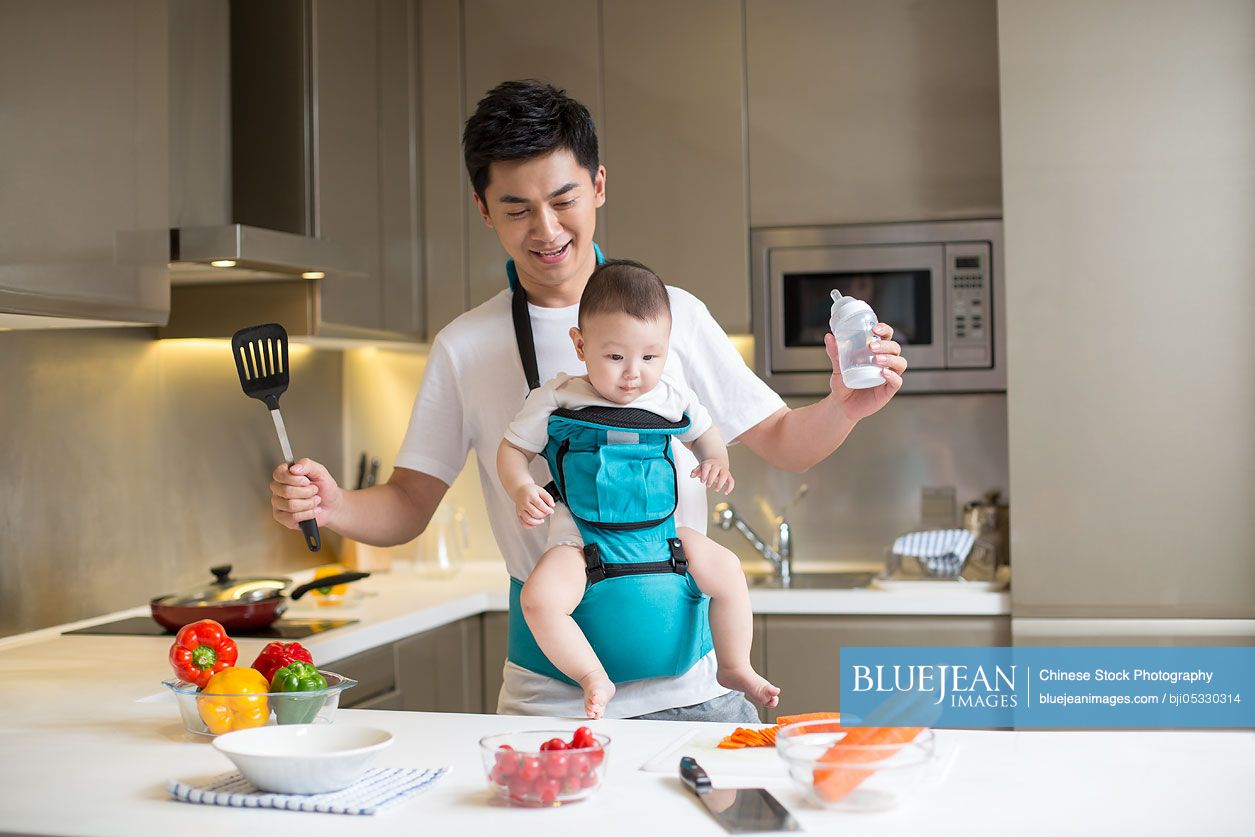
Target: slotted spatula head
[(261, 359)]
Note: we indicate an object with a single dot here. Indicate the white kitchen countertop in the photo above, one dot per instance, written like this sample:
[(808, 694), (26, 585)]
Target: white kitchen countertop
[(104, 772), (397, 604), (89, 739)]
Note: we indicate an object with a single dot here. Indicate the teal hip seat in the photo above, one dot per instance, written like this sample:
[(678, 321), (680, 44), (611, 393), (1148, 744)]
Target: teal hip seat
[(641, 612)]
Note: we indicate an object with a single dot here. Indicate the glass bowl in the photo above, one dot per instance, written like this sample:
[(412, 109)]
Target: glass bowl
[(529, 776), (257, 710), (876, 775)]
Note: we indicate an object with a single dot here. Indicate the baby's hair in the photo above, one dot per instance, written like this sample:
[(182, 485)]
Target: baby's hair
[(624, 286)]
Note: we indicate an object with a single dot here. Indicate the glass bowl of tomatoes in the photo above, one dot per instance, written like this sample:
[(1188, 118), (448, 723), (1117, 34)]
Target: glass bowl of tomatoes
[(545, 768)]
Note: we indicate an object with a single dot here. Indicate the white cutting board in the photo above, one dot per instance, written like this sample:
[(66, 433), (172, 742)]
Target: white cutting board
[(748, 762), (701, 745)]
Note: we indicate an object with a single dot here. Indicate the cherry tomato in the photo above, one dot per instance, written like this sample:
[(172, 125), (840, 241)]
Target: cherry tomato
[(577, 765), (582, 738), (507, 762), (596, 755), (505, 747), (548, 790), (554, 744), (590, 781), (571, 784), (556, 764), (499, 776), (529, 769), (521, 788)]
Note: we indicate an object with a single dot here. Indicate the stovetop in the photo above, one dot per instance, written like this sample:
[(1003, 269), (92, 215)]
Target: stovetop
[(281, 629)]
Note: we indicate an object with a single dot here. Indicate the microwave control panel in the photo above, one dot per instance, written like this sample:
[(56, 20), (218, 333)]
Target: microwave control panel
[(969, 305)]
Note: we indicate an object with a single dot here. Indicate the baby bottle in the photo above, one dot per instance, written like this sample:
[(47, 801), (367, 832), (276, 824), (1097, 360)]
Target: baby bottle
[(852, 321)]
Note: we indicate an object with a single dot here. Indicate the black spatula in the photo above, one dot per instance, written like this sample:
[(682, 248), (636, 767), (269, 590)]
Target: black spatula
[(261, 359)]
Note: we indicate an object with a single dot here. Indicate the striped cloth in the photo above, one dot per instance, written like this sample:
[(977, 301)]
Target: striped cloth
[(379, 789), (940, 552)]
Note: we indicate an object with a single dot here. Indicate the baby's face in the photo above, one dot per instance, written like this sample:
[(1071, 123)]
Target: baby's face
[(624, 356)]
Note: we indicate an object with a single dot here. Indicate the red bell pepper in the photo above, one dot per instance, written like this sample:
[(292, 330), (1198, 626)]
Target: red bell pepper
[(276, 655), (201, 650)]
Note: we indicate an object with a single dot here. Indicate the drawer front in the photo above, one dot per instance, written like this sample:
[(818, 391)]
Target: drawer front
[(374, 671)]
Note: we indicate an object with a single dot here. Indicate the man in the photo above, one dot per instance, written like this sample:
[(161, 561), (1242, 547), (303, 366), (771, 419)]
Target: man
[(531, 154)]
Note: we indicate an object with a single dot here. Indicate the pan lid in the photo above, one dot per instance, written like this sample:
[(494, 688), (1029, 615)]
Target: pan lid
[(228, 590)]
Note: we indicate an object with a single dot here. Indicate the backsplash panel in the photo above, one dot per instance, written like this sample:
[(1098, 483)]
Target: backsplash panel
[(868, 492), (129, 466)]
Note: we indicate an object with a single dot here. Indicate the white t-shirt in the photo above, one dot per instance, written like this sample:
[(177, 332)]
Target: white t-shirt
[(669, 398), (472, 389)]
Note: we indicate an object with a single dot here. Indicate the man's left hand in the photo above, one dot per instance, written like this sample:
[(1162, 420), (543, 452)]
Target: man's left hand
[(861, 403)]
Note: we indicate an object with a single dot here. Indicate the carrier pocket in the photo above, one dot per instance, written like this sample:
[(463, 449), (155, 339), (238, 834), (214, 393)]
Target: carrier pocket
[(629, 486)]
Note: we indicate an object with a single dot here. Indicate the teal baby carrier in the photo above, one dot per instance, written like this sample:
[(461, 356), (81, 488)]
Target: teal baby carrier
[(612, 467)]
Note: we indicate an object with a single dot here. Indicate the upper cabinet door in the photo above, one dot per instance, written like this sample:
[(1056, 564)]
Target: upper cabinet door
[(84, 166), (673, 141), (861, 111), (365, 59), (550, 40)]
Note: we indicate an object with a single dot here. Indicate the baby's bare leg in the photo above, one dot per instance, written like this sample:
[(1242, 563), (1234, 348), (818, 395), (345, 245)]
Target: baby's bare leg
[(717, 572), (550, 594)]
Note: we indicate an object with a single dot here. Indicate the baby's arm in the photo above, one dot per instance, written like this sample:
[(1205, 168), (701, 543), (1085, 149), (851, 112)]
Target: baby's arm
[(532, 503), (712, 461)]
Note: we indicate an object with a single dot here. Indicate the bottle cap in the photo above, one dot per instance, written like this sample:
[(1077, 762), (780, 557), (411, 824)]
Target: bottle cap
[(846, 306)]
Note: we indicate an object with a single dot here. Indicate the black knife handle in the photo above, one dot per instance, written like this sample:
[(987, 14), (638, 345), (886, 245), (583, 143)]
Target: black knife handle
[(692, 774), (309, 529)]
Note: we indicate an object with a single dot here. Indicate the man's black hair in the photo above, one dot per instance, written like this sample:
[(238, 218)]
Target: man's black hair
[(518, 120)]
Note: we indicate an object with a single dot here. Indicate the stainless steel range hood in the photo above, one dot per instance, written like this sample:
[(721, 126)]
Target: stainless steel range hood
[(243, 253), (244, 185)]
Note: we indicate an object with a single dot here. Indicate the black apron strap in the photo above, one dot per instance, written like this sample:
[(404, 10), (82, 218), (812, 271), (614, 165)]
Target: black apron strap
[(523, 336)]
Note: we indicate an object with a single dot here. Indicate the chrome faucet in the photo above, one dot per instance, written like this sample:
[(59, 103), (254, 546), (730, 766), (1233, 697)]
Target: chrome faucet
[(780, 553)]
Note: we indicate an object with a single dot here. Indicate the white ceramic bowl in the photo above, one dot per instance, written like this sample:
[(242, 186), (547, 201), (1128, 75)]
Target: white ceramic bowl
[(303, 758)]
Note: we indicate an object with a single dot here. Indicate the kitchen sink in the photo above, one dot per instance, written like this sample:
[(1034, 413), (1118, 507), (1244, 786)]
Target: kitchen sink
[(814, 581)]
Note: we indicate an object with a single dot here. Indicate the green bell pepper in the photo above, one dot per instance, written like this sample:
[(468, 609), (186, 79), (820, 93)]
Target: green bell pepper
[(297, 677)]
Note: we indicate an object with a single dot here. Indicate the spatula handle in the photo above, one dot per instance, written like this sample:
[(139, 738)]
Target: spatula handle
[(309, 528)]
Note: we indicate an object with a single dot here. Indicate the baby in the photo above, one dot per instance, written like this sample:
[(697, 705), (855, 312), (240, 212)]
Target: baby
[(622, 338)]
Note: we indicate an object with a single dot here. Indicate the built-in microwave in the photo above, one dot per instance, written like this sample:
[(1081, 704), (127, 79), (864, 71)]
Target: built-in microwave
[(938, 283)]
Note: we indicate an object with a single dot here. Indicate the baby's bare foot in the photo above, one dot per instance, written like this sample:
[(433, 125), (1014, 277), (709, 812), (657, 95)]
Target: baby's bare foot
[(746, 680), (598, 690)]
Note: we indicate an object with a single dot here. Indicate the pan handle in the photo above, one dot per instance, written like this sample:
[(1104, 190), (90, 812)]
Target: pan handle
[(325, 581), (309, 529)]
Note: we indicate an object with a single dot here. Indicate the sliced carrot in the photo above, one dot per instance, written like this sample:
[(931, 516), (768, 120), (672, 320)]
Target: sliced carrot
[(836, 783), (785, 720)]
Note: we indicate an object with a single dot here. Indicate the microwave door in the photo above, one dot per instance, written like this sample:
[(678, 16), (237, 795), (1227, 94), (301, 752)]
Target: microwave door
[(904, 284)]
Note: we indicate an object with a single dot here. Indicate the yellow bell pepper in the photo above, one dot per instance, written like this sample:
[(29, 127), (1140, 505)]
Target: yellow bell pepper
[(234, 698), (333, 595)]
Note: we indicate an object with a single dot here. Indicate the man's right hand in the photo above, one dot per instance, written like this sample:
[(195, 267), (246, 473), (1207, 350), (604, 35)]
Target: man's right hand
[(532, 504), (303, 491)]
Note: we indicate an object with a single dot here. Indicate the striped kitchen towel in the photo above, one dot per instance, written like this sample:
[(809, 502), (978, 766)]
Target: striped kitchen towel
[(940, 552), (379, 789)]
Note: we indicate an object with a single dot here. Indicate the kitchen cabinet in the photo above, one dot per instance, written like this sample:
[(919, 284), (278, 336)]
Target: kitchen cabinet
[(673, 142), (374, 671), (446, 191), (863, 112), (84, 163), (467, 49), (366, 111), (552, 40), (636, 66), (801, 653), (440, 670), (496, 633), (435, 671)]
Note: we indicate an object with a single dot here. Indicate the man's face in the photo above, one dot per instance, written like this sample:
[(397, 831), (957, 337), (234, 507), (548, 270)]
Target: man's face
[(544, 211), (624, 356)]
